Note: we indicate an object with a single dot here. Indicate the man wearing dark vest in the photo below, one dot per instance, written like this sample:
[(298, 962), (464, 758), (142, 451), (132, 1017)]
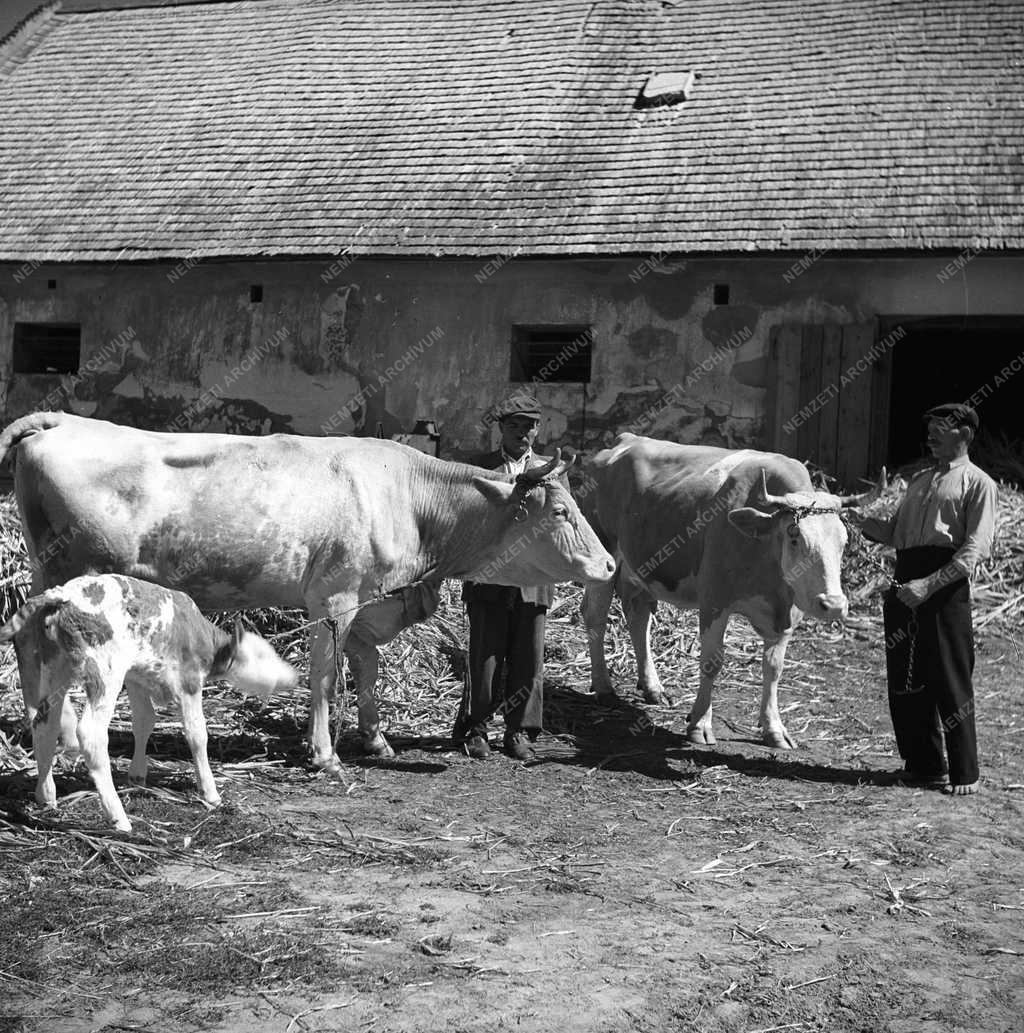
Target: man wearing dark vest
[(506, 625), (942, 528)]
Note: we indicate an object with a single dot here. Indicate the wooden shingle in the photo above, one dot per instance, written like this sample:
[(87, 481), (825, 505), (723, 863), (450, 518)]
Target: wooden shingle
[(420, 127)]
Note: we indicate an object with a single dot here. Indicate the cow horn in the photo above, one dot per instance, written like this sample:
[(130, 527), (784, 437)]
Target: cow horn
[(867, 497), (760, 498), (538, 473), (566, 465)]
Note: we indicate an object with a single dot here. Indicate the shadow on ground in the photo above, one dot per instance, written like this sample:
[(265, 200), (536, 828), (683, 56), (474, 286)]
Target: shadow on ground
[(628, 737)]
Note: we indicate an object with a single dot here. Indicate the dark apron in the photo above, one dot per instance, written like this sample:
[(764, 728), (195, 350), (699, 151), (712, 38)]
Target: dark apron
[(929, 655)]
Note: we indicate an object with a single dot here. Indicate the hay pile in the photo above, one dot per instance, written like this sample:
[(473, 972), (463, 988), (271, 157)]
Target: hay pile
[(14, 571)]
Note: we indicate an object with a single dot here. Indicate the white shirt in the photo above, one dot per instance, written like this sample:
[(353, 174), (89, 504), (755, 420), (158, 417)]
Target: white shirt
[(516, 466)]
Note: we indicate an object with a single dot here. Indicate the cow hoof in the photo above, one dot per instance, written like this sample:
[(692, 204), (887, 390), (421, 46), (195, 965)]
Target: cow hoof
[(123, 826), (330, 766), (606, 697), (139, 781), (701, 738), (379, 748), (778, 740), (656, 698)]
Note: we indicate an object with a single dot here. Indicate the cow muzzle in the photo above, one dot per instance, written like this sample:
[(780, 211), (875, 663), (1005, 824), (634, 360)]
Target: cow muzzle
[(832, 607), (597, 569)]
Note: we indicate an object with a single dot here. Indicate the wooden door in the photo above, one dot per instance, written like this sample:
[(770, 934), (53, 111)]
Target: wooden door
[(828, 401)]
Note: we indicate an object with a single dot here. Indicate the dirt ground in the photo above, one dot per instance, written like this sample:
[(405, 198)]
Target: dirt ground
[(623, 881)]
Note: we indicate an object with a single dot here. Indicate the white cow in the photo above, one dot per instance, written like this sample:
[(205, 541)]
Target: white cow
[(329, 524), (722, 532)]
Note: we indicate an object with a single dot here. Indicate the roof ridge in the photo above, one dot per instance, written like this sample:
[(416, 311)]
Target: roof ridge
[(25, 36), (114, 6)]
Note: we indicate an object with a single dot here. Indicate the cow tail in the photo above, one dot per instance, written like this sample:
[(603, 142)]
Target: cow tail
[(25, 427), (40, 606)]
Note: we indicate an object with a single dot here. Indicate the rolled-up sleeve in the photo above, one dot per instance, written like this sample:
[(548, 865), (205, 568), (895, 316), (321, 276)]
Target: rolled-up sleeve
[(979, 525)]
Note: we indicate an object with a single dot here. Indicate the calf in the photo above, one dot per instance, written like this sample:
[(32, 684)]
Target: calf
[(99, 632)]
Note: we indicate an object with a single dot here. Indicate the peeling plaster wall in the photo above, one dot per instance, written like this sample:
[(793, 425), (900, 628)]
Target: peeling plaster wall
[(368, 346)]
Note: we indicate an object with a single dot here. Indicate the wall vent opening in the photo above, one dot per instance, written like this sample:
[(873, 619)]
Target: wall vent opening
[(47, 347), (559, 354)]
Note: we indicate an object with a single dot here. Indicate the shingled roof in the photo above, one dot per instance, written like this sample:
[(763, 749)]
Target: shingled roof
[(419, 127)]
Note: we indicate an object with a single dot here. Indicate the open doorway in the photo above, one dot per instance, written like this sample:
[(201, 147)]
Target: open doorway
[(949, 359)]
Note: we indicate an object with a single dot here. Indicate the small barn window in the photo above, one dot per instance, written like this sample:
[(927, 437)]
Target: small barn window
[(47, 347), (552, 354)]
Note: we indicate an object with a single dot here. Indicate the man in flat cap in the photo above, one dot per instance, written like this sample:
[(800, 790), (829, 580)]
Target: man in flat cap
[(942, 528), (506, 625)]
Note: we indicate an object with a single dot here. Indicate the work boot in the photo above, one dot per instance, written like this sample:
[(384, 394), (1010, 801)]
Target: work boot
[(517, 746), (477, 745)]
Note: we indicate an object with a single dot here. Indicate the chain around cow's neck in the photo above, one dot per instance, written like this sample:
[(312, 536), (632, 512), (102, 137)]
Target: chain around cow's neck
[(799, 512), (523, 486)]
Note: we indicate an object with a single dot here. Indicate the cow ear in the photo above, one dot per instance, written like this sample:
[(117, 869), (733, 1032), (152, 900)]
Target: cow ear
[(498, 492), (751, 522), (224, 658)]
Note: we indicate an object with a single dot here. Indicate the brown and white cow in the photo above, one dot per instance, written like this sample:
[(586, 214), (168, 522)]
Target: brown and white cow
[(721, 532), (101, 633), (329, 524)]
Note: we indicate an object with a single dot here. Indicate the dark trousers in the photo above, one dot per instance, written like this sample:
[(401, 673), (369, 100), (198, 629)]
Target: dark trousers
[(933, 703), (505, 634)]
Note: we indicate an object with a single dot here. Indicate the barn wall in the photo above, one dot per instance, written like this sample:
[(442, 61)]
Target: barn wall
[(357, 346)]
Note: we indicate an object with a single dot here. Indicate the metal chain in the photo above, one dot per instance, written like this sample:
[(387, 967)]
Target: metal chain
[(912, 627), (895, 586), (858, 535)]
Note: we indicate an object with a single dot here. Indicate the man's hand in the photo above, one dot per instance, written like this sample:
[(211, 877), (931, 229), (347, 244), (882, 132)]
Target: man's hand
[(913, 593)]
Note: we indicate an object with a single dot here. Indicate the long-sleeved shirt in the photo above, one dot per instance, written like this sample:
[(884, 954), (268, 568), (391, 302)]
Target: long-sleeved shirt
[(949, 504)]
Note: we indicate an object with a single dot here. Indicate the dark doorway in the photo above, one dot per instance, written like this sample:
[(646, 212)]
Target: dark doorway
[(951, 359)]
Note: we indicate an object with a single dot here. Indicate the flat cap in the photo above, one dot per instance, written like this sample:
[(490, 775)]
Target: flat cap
[(519, 404), (955, 413)]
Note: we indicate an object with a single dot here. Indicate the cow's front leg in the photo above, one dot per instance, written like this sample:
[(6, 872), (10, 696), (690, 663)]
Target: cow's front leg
[(712, 653), (325, 654), (639, 605), (363, 657), (597, 600), (773, 731), (193, 724)]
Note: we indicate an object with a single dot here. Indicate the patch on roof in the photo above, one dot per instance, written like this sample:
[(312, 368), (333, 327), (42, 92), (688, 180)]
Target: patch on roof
[(664, 88)]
